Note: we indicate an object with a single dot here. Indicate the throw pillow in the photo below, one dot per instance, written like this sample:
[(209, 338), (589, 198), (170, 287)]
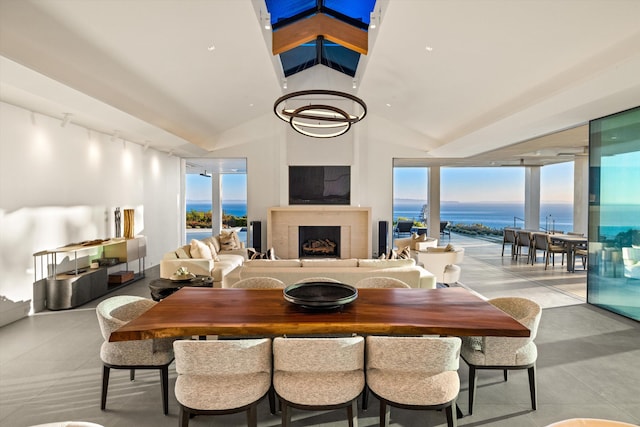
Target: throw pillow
[(393, 254), (405, 253), (271, 254), (227, 242), (230, 233), (183, 252), (382, 256), (449, 248), (200, 250), (212, 248)]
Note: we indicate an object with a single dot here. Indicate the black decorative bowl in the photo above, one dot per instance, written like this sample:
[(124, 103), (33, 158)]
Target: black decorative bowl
[(320, 295)]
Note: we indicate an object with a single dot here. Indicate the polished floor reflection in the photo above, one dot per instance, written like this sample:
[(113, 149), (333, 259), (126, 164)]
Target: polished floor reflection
[(50, 368)]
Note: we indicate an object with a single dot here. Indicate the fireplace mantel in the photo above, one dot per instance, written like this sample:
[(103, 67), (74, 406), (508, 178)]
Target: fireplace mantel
[(354, 223)]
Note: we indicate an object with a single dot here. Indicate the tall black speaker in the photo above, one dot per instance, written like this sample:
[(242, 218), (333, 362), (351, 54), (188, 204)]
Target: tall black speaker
[(383, 237), (256, 235)]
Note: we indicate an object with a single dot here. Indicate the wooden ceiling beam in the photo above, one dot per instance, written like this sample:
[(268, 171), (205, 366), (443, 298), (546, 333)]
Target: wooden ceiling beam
[(309, 29)]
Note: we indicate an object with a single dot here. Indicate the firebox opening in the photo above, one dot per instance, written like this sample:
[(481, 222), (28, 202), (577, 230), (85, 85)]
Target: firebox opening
[(319, 241)]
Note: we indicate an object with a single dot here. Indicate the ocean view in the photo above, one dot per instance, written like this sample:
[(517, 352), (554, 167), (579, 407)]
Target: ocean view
[(494, 215)]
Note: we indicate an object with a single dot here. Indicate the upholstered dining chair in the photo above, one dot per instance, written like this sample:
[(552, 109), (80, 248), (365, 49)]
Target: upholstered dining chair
[(318, 374), (69, 424), (259, 283), (317, 279), (524, 241), (590, 422), (542, 242), (115, 312), (509, 238), (505, 353), (222, 377), (414, 373), (381, 282)]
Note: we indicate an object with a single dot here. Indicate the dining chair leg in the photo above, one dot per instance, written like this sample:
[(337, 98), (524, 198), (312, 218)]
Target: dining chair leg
[(452, 419), (105, 386), (352, 413), (505, 374), (271, 394), (286, 414), (473, 378), (385, 413), (365, 398), (184, 417), (164, 384), (532, 387), (252, 416)]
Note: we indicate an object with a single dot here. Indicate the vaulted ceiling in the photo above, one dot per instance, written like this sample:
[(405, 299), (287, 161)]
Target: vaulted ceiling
[(479, 82)]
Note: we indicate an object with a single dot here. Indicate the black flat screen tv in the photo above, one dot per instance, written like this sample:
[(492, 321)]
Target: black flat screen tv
[(319, 185)]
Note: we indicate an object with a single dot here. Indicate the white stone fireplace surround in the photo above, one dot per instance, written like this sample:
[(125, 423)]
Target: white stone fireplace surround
[(354, 223)]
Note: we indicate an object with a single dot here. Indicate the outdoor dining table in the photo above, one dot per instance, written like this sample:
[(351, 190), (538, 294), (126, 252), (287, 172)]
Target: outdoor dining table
[(570, 241), (452, 311)]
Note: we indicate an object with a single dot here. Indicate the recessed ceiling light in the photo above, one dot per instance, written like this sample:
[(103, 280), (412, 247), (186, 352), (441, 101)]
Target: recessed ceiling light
[(429, 48), (388, 105), (211, 48)]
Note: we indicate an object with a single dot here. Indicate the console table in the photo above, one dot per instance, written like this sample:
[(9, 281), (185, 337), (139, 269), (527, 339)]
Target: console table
[(73, 275)]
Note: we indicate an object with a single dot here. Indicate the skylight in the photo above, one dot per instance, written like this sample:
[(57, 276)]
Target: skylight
[(355, 13)]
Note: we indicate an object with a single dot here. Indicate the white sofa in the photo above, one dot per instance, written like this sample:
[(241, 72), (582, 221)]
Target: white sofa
[(217, 265), (442, 261), (631, 260), (416, 242), (347, 271)]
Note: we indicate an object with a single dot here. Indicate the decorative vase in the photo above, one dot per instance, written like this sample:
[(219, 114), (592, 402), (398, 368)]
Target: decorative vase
[(118, 221), (128, 223)]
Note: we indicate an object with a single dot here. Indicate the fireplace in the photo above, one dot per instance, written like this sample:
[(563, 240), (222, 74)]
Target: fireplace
[(354, 224), (319, 241)]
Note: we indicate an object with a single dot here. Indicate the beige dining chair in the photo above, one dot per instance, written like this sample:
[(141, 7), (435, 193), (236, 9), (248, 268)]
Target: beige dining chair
[(414, 373), (381, 282), (116, 312), (317, 279), (543, 242), (259, 283), (222, 377), (318, 374), (509, 237), (505, 353), (590, 422), (524, 241)]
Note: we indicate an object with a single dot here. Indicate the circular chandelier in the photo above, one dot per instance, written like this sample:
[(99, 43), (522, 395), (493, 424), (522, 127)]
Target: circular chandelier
[(319, 120)]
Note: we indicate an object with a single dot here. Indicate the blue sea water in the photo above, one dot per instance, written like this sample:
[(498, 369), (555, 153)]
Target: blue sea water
[(557, 216)]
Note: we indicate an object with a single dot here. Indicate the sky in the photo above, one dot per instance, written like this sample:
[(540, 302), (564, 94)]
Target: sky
[(498, 184)]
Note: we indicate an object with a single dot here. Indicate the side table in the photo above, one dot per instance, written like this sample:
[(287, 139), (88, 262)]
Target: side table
[(162, 288)]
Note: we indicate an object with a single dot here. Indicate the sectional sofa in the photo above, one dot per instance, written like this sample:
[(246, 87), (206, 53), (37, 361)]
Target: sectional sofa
[(347, 271)]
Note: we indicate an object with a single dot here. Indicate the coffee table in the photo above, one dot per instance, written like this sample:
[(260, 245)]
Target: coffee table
[(162, 288)]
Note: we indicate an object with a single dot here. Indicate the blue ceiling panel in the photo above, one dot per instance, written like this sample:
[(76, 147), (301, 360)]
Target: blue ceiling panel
[(352, 12)]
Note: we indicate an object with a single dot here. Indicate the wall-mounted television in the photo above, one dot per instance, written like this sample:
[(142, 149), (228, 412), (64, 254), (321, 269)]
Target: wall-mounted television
[(319, 185)]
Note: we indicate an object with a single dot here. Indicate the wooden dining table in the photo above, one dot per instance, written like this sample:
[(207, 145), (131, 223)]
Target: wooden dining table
[(451, 311), (570, 241)]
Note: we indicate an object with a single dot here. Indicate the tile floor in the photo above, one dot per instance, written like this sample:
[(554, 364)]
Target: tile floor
[(588, 364)]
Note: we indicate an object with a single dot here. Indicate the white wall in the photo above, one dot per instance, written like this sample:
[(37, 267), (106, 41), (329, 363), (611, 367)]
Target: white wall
[(270, 146), (60, 185)]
